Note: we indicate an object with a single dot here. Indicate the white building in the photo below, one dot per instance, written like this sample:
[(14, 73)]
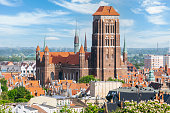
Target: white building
[(102, 88), (24, 109), (153, 61), (166, 60), (28, 69)]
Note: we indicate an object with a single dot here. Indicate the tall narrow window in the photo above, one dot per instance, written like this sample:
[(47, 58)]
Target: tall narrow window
[(108, 27), (108, 41)]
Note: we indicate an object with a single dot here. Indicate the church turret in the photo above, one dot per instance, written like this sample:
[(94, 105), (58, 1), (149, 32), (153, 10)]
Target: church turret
[(124, 52), (76, 41), (82, 60), (85, 44), (38, 58), (45, 78), (151, 76)]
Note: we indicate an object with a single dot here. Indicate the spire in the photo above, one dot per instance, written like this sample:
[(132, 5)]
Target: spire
[(44, 45), (82, 49), (46, 49), (85, 44), (124, 47), (76, 40), (38, 48)]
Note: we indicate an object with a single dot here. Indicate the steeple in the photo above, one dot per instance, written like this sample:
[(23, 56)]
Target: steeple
[(124, 47), (85, 44), (76, 41), (124, 52)]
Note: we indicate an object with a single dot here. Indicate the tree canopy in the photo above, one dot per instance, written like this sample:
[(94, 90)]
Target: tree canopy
[(4, 84), (111, 79), (19, 94), (87, 79)]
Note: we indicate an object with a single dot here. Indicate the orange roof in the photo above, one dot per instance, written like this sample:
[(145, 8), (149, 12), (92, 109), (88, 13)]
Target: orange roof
[(106, 10), (81, 49), (38, 48), (64, 57), (46, 49)]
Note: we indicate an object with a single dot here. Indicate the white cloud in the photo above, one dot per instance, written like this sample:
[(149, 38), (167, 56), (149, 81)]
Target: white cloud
[(32, 18), (156, 19), (156, 9), (137, 10), (52, 38), (81, 1), (148, 38), (85, 8), (126, 22), (10, 2), (153, 10)]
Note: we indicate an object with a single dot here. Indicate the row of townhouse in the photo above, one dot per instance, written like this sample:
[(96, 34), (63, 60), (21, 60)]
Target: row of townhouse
[(28, 69)]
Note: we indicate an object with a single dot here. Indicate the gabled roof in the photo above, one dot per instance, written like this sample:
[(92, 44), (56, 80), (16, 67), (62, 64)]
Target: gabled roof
[(106, 10)]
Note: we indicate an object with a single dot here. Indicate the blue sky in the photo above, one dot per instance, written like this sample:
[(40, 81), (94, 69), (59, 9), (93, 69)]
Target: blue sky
[(25, 23)]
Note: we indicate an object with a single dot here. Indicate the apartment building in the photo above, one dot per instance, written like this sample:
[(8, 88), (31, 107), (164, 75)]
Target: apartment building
[(153, 61)]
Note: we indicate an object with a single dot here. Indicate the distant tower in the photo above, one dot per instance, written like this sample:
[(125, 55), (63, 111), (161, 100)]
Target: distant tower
[(85, 44), (76, 41), (124, 51)]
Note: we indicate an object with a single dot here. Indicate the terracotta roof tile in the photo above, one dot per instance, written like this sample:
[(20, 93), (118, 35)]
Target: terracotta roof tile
[(106, 10)]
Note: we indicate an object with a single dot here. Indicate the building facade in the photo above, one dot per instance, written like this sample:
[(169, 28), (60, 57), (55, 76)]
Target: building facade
[(103, 61), (153, 61), (166, 60)]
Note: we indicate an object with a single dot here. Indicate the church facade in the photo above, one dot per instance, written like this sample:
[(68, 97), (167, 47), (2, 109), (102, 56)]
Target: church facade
[(103, 61)]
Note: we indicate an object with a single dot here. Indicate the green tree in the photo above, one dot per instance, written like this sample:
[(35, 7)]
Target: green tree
[(65, 109), (111, 79), (93, 109), (145, 107), (87, 79), (4, 84), (19, 94), (21, 100)]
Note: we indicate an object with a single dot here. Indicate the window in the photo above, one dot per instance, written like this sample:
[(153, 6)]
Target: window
[(107, 56)]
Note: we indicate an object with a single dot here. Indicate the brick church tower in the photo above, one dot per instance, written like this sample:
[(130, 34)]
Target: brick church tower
[(106, 51)]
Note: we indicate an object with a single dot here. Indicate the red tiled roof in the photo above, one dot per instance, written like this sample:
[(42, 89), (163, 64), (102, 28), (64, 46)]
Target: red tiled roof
[(106, 10), (64, 57)]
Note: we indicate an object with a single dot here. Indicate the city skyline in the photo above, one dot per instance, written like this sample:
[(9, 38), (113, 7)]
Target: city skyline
[(26, 23)]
